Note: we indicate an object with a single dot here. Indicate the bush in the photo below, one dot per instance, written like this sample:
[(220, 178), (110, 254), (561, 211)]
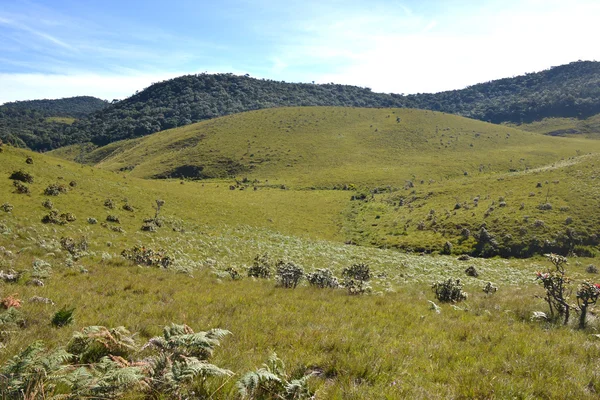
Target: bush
[(556, 284), (234, 273), (6, 207), (149, 227), (55, 189), (288, 274), (489, 288), (261, 267), (128, 207), (356, 277), (591, 269), (449, 291), (113, 218), (322, 278), (145, 256), (54, 218), (48, 204), (29, 160), (109, 203), (92, 221), (75, 247), (21, 188), (21, 176), (472, 271), (544, 206)]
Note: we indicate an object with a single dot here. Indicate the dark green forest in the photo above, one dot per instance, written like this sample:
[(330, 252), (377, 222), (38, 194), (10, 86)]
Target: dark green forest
[(41, 124), (571, 90)]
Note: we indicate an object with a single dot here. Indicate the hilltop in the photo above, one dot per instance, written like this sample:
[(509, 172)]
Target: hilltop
[(566, 91), (40, 124)]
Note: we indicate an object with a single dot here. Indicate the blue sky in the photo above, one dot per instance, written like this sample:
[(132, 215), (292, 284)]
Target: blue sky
[(110, 49)]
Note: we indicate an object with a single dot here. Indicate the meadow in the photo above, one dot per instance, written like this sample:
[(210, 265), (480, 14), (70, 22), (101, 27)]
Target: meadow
[(396, 341)]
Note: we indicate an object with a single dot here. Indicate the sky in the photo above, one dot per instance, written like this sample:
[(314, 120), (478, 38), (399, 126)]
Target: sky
[(112, 48)]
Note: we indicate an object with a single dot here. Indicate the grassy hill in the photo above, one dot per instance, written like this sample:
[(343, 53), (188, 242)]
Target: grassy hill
[(566, 91), (422, 180), (569, 127), (391, 343), (41, 124)]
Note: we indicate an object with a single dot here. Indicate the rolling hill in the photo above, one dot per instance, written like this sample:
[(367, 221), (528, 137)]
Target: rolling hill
[(567, 91), (421, 180)]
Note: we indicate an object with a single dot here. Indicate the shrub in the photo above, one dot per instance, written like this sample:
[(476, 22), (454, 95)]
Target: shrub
[(234, 273), (591, 269), (587, 295), (109, 203), (113, 218), (92, 221), (6, 207), (11, 301), (356, 277), (472, 271), (322, 278), (489, 288), (288, 274), (75, 247), (48, 204), (128, 207), (21, 188), (556, 284), (73, 184), (149, 227), (54, 218), (29, 160), (261, 267), (94, 342), (63, 317), (449, 291), (55, 189), (21, 176), (544, 206), (145, 256)]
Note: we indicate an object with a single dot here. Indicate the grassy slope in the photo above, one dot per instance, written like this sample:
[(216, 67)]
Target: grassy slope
[(570, 127), (330, 146), (386, 345)]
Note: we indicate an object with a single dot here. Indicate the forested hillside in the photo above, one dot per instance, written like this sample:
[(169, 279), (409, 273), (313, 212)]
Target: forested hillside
[(571, 90), (40, 124)]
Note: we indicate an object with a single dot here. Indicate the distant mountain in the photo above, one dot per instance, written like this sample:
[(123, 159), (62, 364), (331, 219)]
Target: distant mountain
[(40, 124)]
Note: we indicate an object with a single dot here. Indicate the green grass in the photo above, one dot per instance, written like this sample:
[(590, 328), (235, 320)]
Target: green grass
[(569, 127), (328, 146), (389, 344), (61, 120)]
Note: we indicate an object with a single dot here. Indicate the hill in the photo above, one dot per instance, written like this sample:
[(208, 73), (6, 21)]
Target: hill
[(566, 91), (40, 124), (568, 127), (420, 178), (349, 344)]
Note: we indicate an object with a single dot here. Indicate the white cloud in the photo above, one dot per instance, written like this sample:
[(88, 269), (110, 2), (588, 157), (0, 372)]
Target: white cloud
[(48, 86)]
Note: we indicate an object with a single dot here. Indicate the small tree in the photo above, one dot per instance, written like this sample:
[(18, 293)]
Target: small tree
[(587, 295), (556, 283)]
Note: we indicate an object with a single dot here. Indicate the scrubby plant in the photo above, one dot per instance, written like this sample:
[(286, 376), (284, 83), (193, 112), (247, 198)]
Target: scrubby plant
[(544, 206), (556, 284), (53, 217), (149, 227), (128, 207), (288, 274), (75, 247), (322, 278), (21, 176), (29, 160), (63, 317), (6, 207), (113, 218), (261, 267), (92, 221), (48, 204), (271, 381), (587, 295), (356, 277), (489, 288), (472, 271), (93, 343), (109, 203), (449, 291), (11, 276), (73, 184), (234, 273), (591, 269), (145, 256), (55, 189), (11, 301), (21, 188)]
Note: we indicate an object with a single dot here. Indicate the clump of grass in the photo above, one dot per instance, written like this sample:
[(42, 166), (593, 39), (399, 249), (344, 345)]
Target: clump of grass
[(63, 317)]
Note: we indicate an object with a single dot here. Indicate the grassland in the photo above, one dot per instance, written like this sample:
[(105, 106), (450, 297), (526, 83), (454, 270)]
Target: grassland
[(567, 127), (389, 344)]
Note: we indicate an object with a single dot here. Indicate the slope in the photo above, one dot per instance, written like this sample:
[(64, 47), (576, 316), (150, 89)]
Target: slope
[(336, 147)]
